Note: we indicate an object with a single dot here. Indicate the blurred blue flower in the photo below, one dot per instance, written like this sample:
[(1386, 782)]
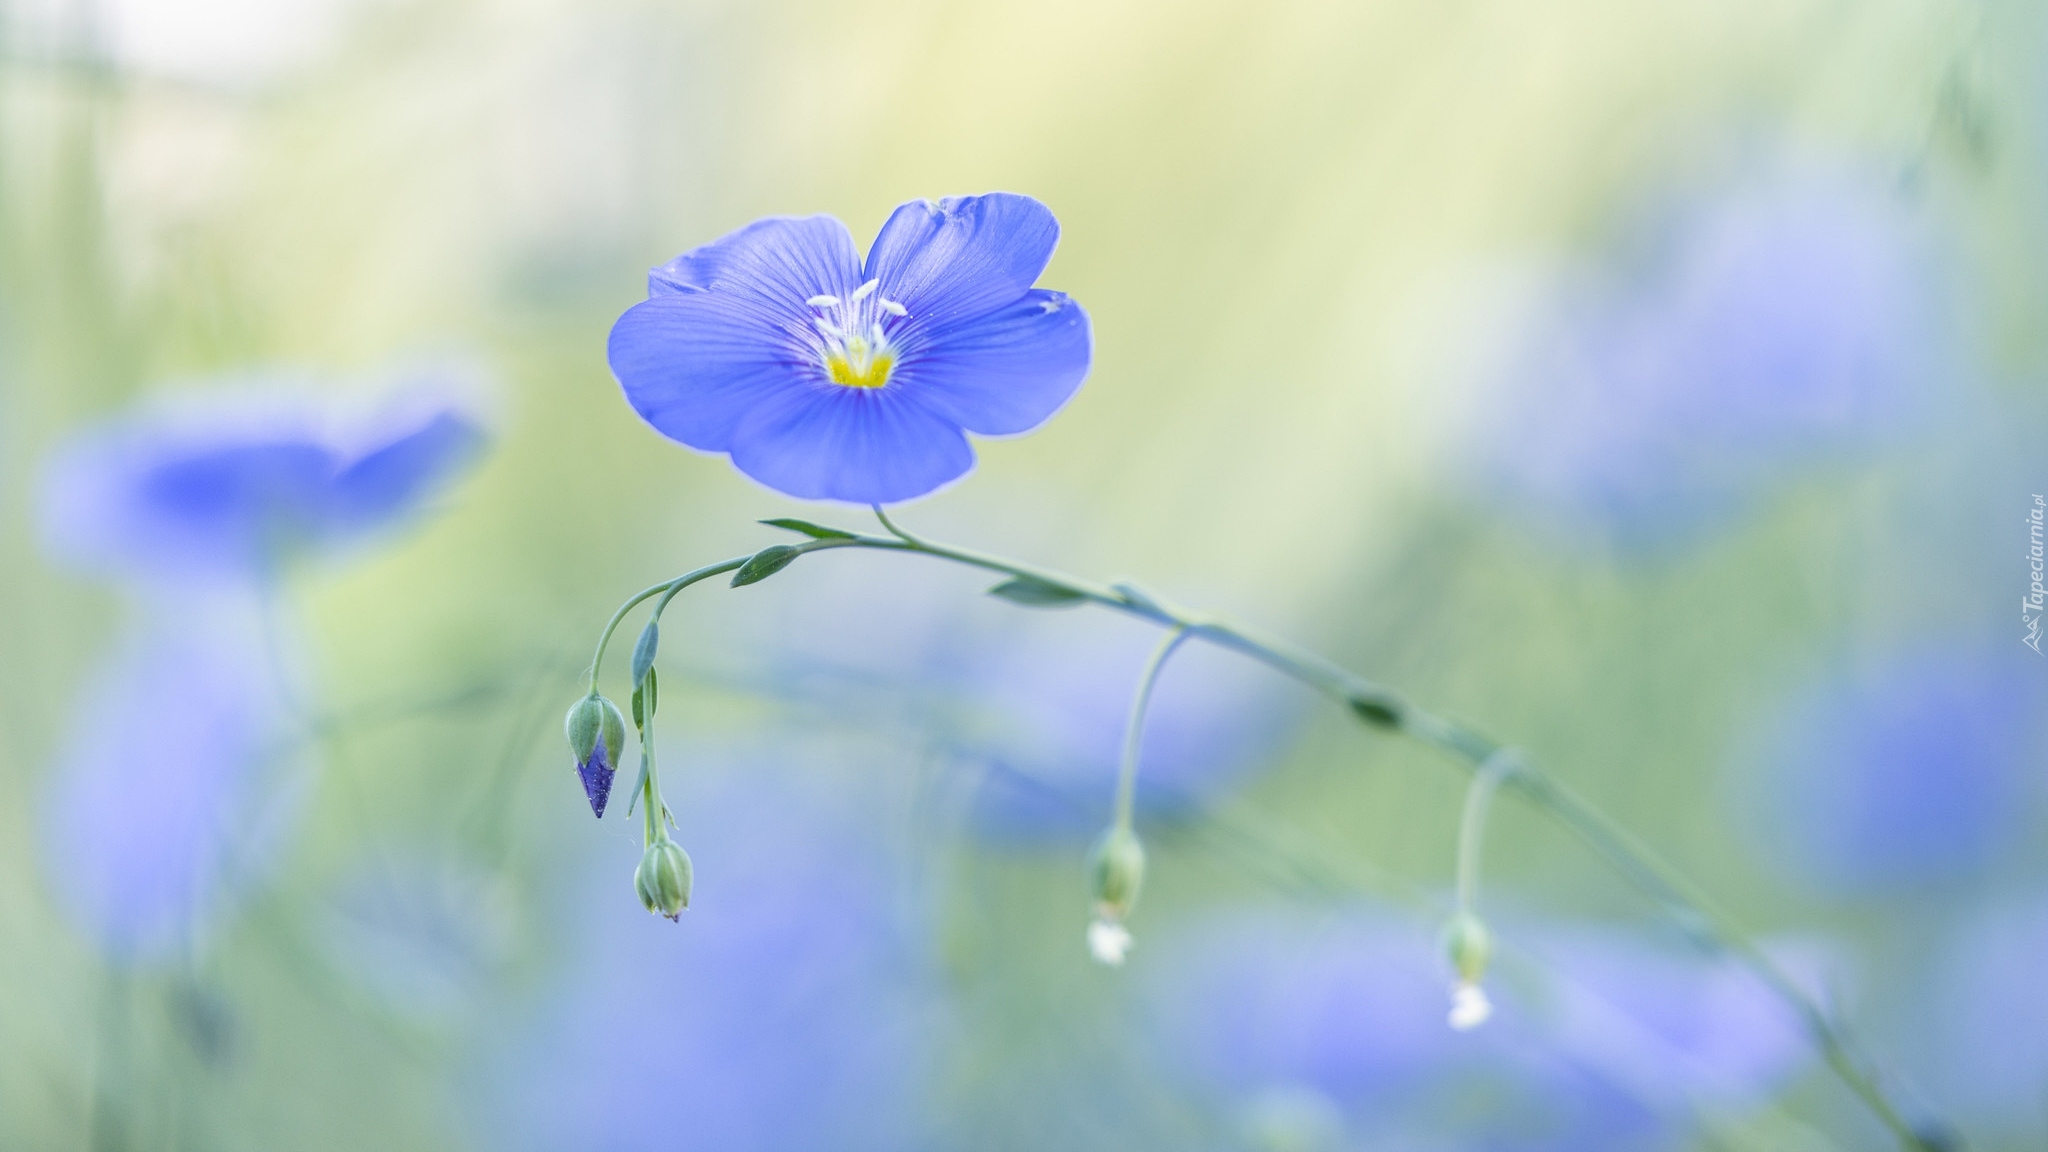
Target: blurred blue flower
[(1761, 328), (1915, 772), (174, 784), (1608, 1047), (239, 486), (1987, 1019), (787, 1011), (828, 379)]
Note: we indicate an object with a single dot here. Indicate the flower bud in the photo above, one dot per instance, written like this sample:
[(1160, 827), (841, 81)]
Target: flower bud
[(1118, 867), (663, 879), (596, 732), (1469, 946)]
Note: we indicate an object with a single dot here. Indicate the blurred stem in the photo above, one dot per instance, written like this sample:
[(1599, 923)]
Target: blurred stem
[(1134, 733), (1486, 779), (1385, 708)]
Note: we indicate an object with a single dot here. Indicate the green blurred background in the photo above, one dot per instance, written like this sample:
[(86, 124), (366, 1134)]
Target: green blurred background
[(1298, 228)]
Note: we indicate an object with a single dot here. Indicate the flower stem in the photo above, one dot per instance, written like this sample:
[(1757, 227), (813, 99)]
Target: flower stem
[(1134, 733), (1486, 779), (1382, 706)]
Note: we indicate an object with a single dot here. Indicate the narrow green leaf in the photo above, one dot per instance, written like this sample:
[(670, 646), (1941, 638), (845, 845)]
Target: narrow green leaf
[(1036, 593), (1381, 711), (639, 784), (814, 531), (645, 696), (643, 652), (765, 563)]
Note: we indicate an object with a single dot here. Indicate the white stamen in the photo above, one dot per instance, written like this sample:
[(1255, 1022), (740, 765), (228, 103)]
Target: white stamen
[(829, 328), (1108, 942), (861, 293), (823, 301), (893, 308), (1051, 304), (876, 331), (1469, 1006)]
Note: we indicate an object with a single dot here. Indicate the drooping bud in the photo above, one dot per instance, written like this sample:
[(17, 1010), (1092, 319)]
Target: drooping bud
[(663, 879), (1118, 868), (596, 732), (1469, 946)]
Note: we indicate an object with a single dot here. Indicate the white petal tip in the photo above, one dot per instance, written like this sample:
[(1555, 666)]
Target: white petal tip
[(1469, 1007), (1109, 942)]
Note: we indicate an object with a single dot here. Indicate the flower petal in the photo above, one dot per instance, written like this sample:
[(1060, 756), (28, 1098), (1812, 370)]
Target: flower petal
[(1005, 372), (779, 262), (864, 446), (695, 363), (384, 484), (964, 256), (162, 811)]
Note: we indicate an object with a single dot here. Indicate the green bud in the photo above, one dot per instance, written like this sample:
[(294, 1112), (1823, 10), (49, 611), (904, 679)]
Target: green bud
[(1118, 867), (588, 719), (663, 879), (1469, 945)]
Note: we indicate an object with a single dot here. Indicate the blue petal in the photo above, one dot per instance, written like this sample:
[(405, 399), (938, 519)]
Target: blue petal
[(386, 483), (864, 446), (1005, 372), (695, 364), (134, 499), (162, 809), (964, 256), (779, 262), (236, 485)]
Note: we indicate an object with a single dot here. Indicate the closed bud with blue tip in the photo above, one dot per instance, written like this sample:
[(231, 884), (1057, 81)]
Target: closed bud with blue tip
[(596, 732)]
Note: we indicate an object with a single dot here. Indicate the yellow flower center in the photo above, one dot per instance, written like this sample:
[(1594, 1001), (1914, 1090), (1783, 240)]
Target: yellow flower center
[(856, 350), (860, 363)]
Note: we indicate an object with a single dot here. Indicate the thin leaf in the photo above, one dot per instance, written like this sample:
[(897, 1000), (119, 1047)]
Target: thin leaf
[(1379, 711), (814, 531), (643, 652), (1036, 593)]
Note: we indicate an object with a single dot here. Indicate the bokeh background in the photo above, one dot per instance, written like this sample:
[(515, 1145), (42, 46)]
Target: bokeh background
[(1657, 386)]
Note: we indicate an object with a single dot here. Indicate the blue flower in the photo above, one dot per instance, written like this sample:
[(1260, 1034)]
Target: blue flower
[(241, 486), (1914, 773), (828, 379), (174, 785), (1987, 1019), (1655, 393)]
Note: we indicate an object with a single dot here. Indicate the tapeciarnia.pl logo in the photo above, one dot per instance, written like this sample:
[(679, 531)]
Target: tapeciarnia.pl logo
[(2030, 607)]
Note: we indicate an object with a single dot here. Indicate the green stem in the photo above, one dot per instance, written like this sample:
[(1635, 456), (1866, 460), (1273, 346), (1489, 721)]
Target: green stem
[(1384, 707), (1486, 779), (1134, 732)]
